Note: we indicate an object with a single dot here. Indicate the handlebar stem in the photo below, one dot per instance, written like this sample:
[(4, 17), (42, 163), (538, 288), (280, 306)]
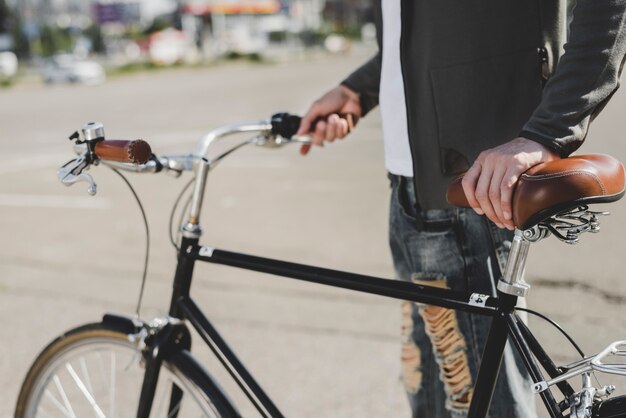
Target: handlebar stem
[(201, 167)]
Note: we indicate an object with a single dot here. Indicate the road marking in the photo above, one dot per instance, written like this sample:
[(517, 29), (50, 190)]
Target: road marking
[(19, 165), (51, 201)]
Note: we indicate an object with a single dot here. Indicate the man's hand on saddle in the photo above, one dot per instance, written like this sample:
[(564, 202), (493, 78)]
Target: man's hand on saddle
[(330, 117), (488, 184)]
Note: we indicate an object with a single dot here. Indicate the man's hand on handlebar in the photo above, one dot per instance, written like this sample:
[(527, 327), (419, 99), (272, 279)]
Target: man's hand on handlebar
[(323, 121)]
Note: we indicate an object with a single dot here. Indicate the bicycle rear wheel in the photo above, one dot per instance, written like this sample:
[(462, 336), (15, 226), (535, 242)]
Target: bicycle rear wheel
[(97, 371)]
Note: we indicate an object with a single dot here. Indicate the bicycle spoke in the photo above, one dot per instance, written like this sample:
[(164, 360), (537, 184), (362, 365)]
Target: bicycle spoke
[(86, 377), (83, 367), (173, 408), (175, 395), (56, 403), (101, 378), (66, 401), (103, 373), (174, 411), (43, 412), (133, 360), (84, 391), (112, 385)]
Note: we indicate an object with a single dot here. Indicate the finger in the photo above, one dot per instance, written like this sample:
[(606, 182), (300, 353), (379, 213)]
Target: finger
[(482, 193), (339, 127), (304, 149), (305, 123), (495, 192), (343, 128), (318, 135), (331, 127), (506, 197), (469, 186)]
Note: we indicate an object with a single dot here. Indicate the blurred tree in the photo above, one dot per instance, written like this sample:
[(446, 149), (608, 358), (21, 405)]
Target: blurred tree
[(53, 40), (157, 25), (347, 16), (21, 46), (94, 33), (6, 17), (11, 24)]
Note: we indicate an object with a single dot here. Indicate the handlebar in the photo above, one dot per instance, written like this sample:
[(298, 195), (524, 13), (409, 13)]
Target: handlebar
[(283, 125), (123, 151), (277, 131), (136, 156)]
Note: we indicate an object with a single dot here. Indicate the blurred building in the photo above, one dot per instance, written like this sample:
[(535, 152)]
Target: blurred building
[(132, 11), (215, 27), (248, 26), (308, 13), (233, 26), (50, 11)]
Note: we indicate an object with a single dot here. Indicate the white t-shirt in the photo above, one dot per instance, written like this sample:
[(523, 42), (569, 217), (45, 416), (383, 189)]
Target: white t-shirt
[(392, 100)]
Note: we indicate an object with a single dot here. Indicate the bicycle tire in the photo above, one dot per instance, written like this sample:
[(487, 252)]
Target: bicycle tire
[(96, 370)]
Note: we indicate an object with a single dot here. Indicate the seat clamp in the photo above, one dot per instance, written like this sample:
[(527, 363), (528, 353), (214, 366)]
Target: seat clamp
[(520, 289)]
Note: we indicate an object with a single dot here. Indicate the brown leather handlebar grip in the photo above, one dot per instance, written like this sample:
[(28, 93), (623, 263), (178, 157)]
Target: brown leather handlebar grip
[(135, 152)]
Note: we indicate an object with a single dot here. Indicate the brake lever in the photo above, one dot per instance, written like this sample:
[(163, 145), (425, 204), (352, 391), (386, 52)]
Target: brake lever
[(72, 172)]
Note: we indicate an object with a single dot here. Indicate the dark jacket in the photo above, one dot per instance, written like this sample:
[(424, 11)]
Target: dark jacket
[(478, 73)]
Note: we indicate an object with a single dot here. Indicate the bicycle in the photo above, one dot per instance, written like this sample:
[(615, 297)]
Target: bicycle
[(80, 373)]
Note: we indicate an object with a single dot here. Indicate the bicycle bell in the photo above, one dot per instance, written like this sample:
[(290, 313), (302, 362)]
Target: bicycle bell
[(93, 131)]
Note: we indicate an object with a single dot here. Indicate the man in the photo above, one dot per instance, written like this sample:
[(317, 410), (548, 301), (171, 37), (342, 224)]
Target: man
[(487, 87)]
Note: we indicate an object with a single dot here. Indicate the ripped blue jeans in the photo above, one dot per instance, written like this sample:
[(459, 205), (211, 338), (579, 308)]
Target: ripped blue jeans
[(442, 348)]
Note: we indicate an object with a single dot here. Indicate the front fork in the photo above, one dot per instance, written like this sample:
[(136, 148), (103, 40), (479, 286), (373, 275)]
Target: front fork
[(169, 337), (161, 342)]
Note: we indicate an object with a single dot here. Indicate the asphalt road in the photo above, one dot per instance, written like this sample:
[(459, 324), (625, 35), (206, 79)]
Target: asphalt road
[(66, 257)]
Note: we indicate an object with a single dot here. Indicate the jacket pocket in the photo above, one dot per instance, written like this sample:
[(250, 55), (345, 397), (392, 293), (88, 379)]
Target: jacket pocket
[(482, 104)]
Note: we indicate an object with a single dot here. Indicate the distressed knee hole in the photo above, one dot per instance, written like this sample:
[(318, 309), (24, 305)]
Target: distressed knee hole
[(449, 347), (411, 354)]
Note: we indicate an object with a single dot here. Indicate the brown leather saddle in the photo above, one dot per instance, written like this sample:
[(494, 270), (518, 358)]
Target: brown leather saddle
[(558, 186)]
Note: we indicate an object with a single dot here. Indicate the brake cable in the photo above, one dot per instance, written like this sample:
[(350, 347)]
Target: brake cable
[(555, 325), (147, 256)]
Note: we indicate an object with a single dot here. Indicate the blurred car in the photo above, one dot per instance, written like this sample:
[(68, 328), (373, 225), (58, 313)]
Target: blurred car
[(67, 68), (8, 64)]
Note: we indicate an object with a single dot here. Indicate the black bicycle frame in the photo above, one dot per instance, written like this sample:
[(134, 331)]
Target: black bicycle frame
[(505, 323)]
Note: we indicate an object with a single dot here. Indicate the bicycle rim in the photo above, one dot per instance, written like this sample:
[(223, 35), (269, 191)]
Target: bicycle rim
[(98, 372)]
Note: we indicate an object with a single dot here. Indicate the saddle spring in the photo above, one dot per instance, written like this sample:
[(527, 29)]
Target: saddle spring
[(568, 225)]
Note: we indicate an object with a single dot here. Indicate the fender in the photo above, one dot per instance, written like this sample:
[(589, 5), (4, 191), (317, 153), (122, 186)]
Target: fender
[(122, 323)]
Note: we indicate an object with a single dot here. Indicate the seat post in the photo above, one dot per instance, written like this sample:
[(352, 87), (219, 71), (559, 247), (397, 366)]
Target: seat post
[(512, 282)]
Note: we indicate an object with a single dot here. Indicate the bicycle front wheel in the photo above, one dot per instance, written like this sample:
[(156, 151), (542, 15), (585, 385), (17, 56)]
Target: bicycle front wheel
[(97, 371)]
